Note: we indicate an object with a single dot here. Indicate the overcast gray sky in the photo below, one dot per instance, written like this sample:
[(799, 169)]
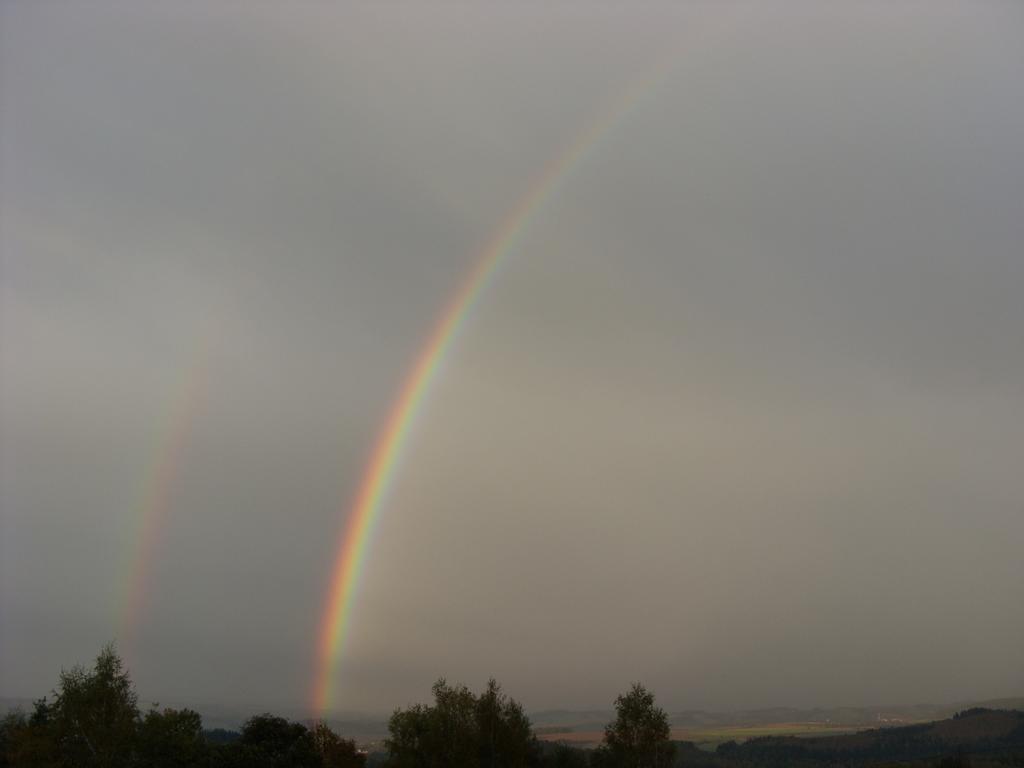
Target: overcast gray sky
[(742, 415)]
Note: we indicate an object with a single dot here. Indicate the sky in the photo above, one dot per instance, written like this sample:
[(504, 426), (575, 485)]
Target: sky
[(740, 414)]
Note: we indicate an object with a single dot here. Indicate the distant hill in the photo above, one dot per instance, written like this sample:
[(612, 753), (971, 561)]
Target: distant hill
[(852, 716), (974, 733)]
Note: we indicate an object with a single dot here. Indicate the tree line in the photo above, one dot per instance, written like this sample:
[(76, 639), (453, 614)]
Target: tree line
[(94, 721)]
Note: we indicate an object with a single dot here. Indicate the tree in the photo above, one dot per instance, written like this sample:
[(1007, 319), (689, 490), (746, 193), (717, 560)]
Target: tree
[(409, 737), (461, 730), (273, 741), (639, 736), (171, 739), (94, 714), (334, 751), (27, 742), (506, 738), (454, 736), (94, 722)]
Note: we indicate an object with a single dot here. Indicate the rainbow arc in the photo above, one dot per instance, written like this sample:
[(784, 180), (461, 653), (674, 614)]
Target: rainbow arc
[(365, 507)]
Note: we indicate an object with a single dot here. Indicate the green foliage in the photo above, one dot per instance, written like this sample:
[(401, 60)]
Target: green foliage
[(267, 741), (94, 715), (171, 739), (27, 741), (453, 725), (94, 722), (563, 756), (334, 751), (506, 737), (412, 737), (639, 735), (273, 742), (461, 731), (221, 736)]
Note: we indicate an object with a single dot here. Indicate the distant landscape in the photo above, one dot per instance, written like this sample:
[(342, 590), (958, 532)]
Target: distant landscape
[(585, 728), (497, 384), (708, 729), (93, 717)]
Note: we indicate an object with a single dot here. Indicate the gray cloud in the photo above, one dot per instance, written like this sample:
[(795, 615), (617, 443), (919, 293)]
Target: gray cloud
[(740, 416)]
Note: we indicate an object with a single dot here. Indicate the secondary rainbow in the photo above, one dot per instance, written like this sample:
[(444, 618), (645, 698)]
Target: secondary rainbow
[(157, 495), (380, 469)]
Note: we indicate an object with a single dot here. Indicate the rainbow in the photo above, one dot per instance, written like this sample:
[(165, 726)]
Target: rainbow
[(391, 440), (157, 492)]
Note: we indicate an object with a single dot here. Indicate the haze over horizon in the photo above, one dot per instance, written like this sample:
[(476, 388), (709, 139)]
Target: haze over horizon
[(741, 414)]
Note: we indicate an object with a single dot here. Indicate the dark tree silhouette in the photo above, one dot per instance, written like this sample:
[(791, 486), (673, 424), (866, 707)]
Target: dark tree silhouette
[(334, 751), (94, 714), (639, 735), (171, 739), (461, 730), (506, 738), (273, 741), (94, 722)]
